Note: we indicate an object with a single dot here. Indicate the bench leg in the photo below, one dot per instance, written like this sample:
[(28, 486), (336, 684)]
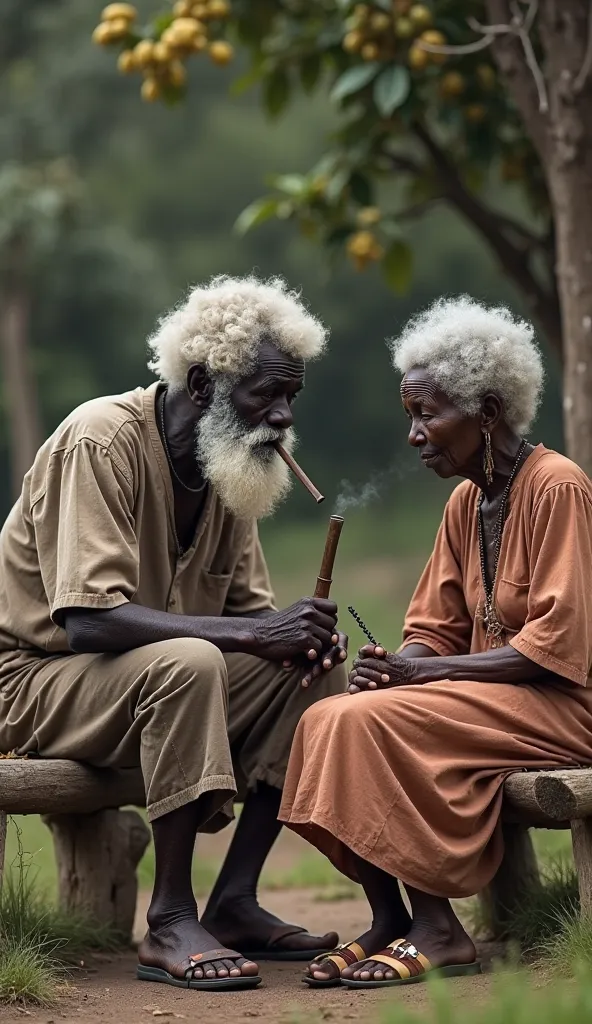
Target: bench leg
[(517, 873), (97, 856), (3, 827), (581, 840)]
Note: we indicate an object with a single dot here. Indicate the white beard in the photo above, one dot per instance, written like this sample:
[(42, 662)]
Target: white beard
[(250, 480)]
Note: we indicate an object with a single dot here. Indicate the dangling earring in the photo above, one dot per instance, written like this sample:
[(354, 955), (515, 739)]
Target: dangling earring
[(488, 463)]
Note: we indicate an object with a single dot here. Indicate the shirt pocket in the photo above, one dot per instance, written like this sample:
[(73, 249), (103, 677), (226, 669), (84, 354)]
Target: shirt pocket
[(512, 603), (212, 593)]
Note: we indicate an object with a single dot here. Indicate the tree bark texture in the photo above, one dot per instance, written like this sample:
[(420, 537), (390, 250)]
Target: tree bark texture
[(97, 856), (562, 135)]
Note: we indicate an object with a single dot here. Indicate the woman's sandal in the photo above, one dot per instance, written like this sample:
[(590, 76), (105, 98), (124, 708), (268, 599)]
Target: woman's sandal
[(342, 956), (186, 978), (411, 966)]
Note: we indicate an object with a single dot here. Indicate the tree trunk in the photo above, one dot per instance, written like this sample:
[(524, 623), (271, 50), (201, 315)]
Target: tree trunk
[(562, 135), (564, 31), (20, 391)]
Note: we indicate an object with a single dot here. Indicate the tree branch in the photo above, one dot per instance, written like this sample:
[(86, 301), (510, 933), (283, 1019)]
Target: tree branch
[(513, 259), (509, 54)]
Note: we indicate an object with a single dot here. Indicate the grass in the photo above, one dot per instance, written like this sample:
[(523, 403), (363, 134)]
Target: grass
[(37, 939)]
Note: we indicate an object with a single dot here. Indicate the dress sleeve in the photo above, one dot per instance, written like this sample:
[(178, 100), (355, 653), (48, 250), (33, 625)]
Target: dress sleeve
[(557, 633), (85, 531), (438, 615), (250, 588)]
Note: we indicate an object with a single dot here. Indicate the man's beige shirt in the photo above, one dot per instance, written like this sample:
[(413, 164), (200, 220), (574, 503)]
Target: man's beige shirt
[(94, 528)]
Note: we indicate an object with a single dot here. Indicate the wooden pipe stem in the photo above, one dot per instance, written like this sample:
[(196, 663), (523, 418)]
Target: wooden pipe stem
[(299, 473), (324, 579)]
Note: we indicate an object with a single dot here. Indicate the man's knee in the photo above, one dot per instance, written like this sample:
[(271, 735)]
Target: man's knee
[(185, 664)]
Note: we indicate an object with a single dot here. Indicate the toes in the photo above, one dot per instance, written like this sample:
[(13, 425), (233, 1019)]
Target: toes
[(198, 973), (249, 968)]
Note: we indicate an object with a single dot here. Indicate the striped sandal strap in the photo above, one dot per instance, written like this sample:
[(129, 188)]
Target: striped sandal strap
[(404, 958), (342, 956)]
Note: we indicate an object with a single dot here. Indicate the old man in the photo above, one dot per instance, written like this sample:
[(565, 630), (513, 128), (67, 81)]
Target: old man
[(137, 622)]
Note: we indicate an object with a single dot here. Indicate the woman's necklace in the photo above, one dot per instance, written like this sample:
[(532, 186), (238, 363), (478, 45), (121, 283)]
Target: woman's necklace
[(192, 490), (494, 629)]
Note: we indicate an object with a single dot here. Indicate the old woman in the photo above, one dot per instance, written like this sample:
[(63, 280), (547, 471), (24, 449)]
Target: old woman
[(401, 779)]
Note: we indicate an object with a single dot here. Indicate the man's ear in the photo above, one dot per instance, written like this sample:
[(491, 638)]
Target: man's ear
[(200, 386)]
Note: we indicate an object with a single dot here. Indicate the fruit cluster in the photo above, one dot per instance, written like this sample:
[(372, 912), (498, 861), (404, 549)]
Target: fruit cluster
[(377, 35), (159, 54)]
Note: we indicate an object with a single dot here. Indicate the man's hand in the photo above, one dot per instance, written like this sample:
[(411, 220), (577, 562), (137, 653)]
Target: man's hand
[(328, 660), (374, 669), (306, 628)]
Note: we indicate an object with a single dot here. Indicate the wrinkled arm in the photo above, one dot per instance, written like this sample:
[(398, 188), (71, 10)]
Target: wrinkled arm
[(503, 665)]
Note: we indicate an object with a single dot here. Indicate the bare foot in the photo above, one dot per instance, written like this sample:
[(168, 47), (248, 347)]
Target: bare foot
[(443, 947), (171, 942), (242, 922)]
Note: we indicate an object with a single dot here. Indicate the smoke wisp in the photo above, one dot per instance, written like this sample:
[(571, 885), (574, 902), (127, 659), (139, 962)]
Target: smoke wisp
[(358, 496)]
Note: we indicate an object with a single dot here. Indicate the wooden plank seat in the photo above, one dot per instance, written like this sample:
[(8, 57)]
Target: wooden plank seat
[(98, 845)]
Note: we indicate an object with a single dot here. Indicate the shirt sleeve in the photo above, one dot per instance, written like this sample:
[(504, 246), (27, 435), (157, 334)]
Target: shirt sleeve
[(557, 633), (438, 615), (250, 588), (85, 531)]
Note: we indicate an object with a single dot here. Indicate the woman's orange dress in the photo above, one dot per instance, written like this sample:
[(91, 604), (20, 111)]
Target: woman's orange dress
[(410, 778)]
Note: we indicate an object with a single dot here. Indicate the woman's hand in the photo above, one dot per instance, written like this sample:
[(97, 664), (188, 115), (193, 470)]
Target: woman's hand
[(374, 669)]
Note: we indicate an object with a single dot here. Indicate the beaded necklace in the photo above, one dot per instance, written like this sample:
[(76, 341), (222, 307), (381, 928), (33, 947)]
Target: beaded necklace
[(494, 628)]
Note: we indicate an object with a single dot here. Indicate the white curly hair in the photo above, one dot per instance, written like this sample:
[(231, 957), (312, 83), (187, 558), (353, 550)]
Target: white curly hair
[(470, 349), (222, 323)]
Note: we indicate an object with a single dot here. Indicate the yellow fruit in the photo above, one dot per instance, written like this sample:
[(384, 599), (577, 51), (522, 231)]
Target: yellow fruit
[(150, 90), (119, 28), (434, 38), (103, 34), (370, 51), (126, 62), (404, 28), (368, 216), (417, 58), (144, 53), (361, 12), (452, 84), (486, 76), (127, 11), (475, 113), (218, 9), (361, 243), (380, 23), (161, 53), (199, 44), (420, 15), (182, 9), (169, 38), (186, 29), (353, 42), (177, 73), (221, 52), (199, 11)]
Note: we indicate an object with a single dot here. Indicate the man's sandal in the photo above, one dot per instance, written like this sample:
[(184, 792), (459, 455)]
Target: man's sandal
[(185, 978), (342, 956), (411, 966)]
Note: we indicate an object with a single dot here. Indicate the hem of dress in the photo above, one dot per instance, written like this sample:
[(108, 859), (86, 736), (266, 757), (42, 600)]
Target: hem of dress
[(301, 825), (224, 783), (548, 661)]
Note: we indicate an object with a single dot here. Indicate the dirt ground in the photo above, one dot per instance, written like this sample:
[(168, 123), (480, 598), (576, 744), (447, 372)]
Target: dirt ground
[(105, 991)]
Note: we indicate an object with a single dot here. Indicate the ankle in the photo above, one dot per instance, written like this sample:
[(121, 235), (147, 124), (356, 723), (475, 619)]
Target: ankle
[(233, 897), (162, 916)]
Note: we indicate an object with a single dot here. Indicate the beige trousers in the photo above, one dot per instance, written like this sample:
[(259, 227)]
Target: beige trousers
[(195, 721)]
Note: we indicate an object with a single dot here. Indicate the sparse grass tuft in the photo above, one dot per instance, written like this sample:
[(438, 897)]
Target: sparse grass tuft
[(29, 971), (571, 950)]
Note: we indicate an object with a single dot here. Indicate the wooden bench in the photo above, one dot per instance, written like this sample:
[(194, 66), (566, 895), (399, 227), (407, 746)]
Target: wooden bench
[(98, 846)]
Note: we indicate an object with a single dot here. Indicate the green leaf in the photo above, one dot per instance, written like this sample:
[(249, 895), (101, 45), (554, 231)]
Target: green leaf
[(310, 71), (292, 184), (391, 89), (256, 213), (361, 189), (354, 79), (276, 92), (246, 81), (397, 266)]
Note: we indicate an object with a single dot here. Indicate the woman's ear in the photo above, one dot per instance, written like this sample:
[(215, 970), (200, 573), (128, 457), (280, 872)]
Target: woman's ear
[(200, 386), (492, 412)]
